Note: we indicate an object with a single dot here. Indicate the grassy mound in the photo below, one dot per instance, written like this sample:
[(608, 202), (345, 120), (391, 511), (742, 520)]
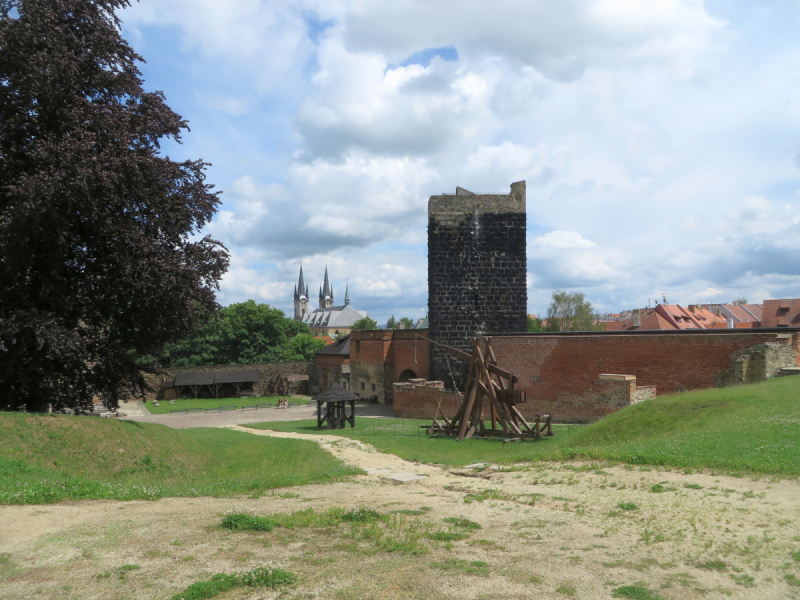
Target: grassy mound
[(753, 428), (47, 458)]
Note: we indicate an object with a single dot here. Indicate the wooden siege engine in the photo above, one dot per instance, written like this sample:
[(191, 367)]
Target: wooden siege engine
[(489, 404)]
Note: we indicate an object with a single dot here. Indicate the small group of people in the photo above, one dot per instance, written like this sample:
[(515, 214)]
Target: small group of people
[(283, 403)]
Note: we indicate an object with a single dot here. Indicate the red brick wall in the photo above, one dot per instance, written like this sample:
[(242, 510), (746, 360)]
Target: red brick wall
[(418, 401), (547, 365), (781, 313), (329, 367), (410, 352)]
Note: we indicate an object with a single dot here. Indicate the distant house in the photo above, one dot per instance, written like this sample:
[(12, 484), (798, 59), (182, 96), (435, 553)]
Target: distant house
[(666, 317), (327, 320), (781, 313), (738, 316)]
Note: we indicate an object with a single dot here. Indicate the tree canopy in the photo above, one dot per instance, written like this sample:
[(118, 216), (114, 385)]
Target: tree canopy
[(100, 257), (534, 325), (242, 333), (365, 323), (570, 312), (406, 322)]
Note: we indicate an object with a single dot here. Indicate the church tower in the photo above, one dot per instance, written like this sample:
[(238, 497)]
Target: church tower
[(300, 298), (326, 292)]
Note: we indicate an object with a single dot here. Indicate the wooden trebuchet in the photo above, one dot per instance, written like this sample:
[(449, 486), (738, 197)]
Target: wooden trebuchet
[(489, 396)]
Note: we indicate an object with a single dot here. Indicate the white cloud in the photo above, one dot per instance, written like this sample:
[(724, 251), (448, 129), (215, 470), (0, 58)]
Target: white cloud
[(563, 240), (560, 39), (658, 140)]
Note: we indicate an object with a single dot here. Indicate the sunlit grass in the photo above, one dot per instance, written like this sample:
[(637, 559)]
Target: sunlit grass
[(48, 458), (165, 406), (754, 428)]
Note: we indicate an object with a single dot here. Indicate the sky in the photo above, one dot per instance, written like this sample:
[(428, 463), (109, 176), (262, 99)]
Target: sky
[(660, 140)]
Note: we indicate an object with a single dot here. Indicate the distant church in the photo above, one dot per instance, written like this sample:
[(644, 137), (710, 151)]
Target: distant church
[(327, 319)]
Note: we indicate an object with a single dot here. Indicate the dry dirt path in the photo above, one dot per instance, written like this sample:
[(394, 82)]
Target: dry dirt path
[(553, 531), (237, 417)]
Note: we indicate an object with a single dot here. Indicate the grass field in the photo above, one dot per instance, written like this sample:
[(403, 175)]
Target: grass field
[(48, 458), (165, 406), (753, 428)]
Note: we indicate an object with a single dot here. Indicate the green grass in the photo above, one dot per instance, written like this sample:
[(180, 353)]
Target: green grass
[(49, 458), (220, 583), (164, 406), (634, 592), (754, 428)]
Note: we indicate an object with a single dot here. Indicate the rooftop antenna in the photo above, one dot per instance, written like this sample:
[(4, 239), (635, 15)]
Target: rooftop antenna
[(664, 296)]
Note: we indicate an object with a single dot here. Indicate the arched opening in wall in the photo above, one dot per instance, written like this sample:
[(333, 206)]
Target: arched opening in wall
[(406, 375)]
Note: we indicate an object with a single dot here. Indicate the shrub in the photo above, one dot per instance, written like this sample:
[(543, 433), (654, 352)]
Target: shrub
[(245, 522), (463, 523), (361, 515)]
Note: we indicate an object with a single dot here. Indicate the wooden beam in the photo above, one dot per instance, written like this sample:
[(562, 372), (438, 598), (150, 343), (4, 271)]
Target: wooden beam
[(466, 358)]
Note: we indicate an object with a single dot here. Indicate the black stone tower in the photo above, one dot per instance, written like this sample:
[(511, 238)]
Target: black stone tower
[(477, 272)]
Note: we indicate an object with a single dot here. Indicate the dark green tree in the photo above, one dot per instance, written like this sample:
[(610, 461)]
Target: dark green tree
[(243, 333), (408, 322), (392, 323), (570, 312), (534, 325), (365, 323), (100, 261)]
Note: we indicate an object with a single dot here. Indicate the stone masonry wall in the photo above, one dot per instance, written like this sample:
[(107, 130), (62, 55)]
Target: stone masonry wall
[(477, 272), (154, 380)]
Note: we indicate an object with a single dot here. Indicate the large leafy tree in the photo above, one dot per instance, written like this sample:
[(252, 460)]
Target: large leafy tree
[(242, 333), (100, 260), (365, 323), (570, 312)]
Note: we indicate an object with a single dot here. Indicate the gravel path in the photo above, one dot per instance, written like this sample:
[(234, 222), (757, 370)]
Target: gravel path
[(240, 417)]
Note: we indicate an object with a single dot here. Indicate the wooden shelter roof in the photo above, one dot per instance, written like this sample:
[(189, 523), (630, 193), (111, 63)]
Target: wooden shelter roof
[(335, 393)]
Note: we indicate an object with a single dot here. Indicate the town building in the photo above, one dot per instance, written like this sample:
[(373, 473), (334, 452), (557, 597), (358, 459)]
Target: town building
[(327, 320)]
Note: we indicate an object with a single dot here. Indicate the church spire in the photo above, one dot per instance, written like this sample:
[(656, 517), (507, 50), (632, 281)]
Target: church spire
[(347, 293), (300, 298), (301, 287), (326, 292)]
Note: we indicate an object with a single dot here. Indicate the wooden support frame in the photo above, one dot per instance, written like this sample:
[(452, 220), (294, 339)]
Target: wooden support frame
[(491, 393)]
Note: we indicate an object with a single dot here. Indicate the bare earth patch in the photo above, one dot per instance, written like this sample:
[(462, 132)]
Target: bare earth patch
[(548, 531)]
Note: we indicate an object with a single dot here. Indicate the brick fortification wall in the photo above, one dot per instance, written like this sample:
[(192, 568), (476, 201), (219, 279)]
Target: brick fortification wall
[(477, 271), (609, 393), (552, 367), (566, 375), (381, 357), (330, 369)]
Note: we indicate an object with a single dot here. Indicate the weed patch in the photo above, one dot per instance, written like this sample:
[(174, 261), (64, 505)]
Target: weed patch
[(246, 522), (713, 565), (474, 567), (463, 523), (269, 578), (634, 592)]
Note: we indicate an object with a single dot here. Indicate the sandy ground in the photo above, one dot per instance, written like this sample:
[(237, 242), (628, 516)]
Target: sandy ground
[(135, 411), (548, 531)]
